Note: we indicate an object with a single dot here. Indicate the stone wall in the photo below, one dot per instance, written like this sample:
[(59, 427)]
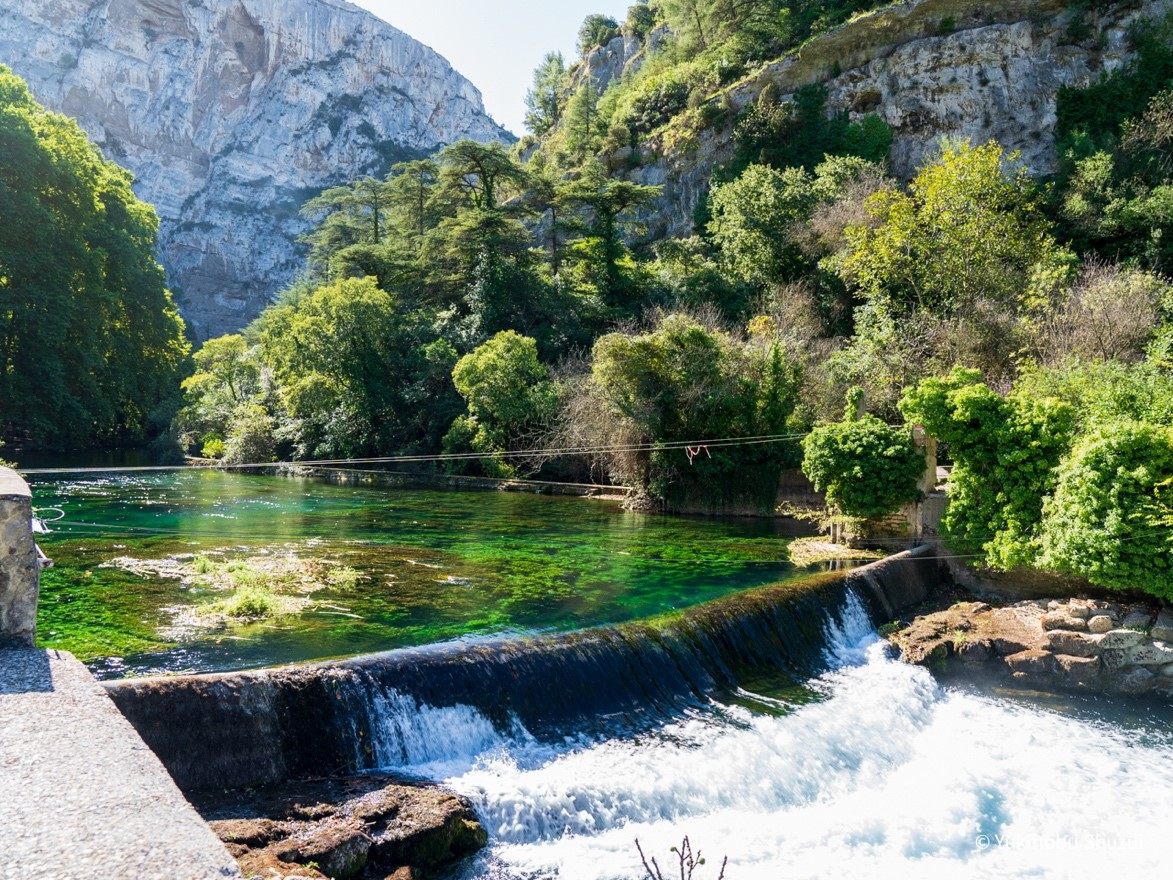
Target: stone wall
[(19, 571)]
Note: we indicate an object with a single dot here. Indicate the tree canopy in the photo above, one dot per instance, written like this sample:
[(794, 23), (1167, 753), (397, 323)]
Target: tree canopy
[(91, 345)]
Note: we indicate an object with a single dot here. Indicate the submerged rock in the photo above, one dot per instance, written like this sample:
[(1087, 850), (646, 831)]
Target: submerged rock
[(370, 826)]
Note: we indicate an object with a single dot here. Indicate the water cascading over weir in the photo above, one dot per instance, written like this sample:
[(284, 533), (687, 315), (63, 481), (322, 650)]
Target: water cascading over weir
[(254, 728)]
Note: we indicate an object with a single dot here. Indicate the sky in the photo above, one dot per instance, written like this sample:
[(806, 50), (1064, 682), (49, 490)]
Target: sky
[(496, 43)]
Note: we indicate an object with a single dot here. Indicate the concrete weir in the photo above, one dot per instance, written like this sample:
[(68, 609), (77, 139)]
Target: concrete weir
[(81, 796), (255, 728)]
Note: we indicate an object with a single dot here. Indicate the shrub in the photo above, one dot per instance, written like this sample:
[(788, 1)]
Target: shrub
[(866, 468), (1005, 451), (250, 436), (1111, 518), (250, 602), (596, 31)]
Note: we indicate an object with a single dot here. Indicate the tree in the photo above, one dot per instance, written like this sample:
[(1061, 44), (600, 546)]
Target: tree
[(752, 219), (478, 175), (227, 376), (1111, 517), (346, 215), (596, 30), (608, 201), (966, 230), (91, 345), (866, 468), (349, 362), (583, 131), (544, 102), (682, 381), (509, 395)]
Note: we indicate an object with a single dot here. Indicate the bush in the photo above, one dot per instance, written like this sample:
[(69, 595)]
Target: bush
[(250, 436), (596, 31), (1005, 452), (1111, 518), (866, 468)]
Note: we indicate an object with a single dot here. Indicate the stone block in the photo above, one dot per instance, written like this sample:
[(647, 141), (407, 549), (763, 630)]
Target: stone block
[(1075, 644), (1060, 619), (1134, 680), (1034, 662), (1081, 672), (1121, 638), (1100, 624), (1163, 628), (1138, 620)]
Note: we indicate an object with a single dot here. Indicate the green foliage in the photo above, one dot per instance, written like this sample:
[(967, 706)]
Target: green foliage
[(351, 370), (866, 468), (596, 31), (641, 20), (90, 342), (1005, 452), (683, 381), (509, 395), (544, 102), (801, 134), (1104, 392), (250, 436), (1111, 517), (966, 230)]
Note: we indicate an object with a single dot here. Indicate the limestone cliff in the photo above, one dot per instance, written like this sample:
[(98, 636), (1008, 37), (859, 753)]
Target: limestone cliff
[(974, 70), (231, 113)]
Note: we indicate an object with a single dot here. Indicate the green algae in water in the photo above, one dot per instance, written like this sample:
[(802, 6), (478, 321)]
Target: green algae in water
[(414, 567)]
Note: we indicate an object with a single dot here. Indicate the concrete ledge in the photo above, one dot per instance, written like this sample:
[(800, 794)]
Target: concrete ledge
[(81, 796)]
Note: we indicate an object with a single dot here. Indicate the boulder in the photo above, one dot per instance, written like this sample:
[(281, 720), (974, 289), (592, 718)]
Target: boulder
[(1133, 681), (1061, 619), (1080, 672), (1138, 619), (1034, 663), (1149, 654), (1080, 608), (1075, 644), (369, 826), (1121, 638), (1100, 624), (1163, 629)]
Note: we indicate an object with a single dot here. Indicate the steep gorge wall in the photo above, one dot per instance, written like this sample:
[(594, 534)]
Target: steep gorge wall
[(231, 113), (931, 69)]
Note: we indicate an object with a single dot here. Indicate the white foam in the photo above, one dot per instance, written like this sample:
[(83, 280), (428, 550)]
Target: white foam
[(888, 776)]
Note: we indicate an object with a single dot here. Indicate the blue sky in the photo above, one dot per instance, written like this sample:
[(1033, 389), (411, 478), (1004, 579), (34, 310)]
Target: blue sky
[(495, 43)]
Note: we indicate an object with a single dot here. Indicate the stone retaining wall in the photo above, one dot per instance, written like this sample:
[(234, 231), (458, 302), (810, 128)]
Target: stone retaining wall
[(19, 571)]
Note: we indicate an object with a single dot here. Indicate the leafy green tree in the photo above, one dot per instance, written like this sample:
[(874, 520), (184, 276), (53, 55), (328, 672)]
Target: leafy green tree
[(544, 102), (584, 129), (596, 30), (349, 363), (227, 376), (752, 218), (866, 468), (1111, 517), (250, 437), (91, 345), (641, 20), (509, 394), (478, 175), (608, 202), (966, 230), (346, 215), (684, 382), (1006, 451)]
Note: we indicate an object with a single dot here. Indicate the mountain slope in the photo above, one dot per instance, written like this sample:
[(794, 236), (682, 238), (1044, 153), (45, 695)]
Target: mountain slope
[(231, 113)]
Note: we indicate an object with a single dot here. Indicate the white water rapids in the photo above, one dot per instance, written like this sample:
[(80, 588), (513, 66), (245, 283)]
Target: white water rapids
[(888, 775)]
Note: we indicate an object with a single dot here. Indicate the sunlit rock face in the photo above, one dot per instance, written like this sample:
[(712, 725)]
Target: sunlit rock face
[(231, 113)]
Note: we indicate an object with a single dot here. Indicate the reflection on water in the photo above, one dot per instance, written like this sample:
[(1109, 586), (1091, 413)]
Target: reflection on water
[(434, 565)]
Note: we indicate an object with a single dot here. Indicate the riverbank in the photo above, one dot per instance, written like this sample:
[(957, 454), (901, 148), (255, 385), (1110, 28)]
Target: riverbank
[(1077, 645), (373, 827)]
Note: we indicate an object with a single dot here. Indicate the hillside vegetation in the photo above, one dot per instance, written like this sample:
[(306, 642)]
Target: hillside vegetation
[(490, 303)]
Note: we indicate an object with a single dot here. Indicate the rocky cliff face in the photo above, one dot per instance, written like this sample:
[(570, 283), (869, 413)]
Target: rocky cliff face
[(978, 71), (231, 113)]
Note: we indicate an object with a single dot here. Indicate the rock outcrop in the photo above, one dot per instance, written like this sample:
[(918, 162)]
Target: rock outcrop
[(931, 69), (368, 826), (1075, 645), (231, 113)]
